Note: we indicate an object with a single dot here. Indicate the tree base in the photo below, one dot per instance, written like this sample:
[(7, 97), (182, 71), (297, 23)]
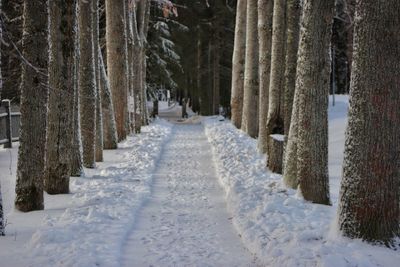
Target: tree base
[(275, 153)]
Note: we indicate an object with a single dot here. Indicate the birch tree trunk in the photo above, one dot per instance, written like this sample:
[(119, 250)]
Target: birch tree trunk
[(34, 98), (265, 14), (61, 101), (96, 55), (369, 196), (87, 84), (238, 62), (277, 78), (251, 90), (313, 85), (117, 62)]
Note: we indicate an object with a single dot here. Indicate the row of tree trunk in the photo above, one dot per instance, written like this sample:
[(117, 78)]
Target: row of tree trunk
[(280, 85), (73, 104)]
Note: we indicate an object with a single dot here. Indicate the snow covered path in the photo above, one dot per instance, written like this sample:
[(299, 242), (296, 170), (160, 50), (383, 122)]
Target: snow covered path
[(185, 222)]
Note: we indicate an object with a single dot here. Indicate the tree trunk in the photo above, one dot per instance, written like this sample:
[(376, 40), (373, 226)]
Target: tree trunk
[(275, 146), (2, 233), (290, 154), (61, 101), (76, 153), (238, 62), (87, 84), (34, 96), (265, 14), (250, 96), (96, 53), (144, 29), (216, 72), (117, 62), (313, 85), (277, 78), (369, 196), (293, 12), (110, 138)]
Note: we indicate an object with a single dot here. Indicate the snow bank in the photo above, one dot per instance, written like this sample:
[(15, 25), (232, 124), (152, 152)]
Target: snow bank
[(88, 227), (275, 222)]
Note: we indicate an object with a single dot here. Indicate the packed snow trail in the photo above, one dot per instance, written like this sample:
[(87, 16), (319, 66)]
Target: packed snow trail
[(185, 222)]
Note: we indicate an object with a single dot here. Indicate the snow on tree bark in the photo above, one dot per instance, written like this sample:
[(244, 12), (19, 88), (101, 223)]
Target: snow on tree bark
[(96, 51), (313, 85), (251, 83), (110, 138), (265, 14), (87, 84), (76, 153), (117, 62), (34, 98), (277, 78), (238, 63), (61, 101), (369, 196), (293, 12)]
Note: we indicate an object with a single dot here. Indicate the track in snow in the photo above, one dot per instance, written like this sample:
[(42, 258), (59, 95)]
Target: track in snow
[(185, 222)]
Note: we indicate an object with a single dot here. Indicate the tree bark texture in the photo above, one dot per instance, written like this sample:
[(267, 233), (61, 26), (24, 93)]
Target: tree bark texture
[(277, 78), (251, 83), (293, 12), (34, 98), (265, 14), (275, 144), (369, 196), (2, 233), (76, 154), (87, 84), (313, 85), (117, 62), (238, 62), (290, 153), (61, 101), (96, 55), (110, 138)]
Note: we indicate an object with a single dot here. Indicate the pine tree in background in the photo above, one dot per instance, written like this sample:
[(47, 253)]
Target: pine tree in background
[(369, 197), (61, 101), (11, 66), (34, 97), (87, 84)]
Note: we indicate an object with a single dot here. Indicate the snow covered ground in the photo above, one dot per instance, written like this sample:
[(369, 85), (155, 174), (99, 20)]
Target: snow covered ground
[(87, 227), (275, 222), (156, 200)]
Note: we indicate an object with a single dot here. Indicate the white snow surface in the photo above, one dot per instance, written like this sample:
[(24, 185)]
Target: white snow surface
[(87, 227), (156, 200), (275, 222), (185, 222)]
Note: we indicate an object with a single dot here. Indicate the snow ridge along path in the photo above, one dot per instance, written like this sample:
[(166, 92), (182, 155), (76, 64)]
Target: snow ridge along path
[(185, 222)]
